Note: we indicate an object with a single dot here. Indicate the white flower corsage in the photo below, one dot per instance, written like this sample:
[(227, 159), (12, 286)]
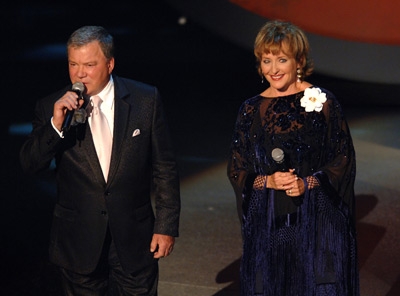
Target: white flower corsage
[(313, 99)]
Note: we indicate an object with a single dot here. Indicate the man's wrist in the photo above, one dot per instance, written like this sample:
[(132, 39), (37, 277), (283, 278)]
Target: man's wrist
[(60, 133)]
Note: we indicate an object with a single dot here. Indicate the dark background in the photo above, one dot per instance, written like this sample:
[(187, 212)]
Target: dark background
[(202, 77)]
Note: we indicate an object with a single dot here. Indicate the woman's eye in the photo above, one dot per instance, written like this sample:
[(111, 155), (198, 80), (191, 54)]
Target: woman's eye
[(283, 60), (265, 61)]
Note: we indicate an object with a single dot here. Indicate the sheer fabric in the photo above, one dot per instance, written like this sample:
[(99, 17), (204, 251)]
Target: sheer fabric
[(295, 243)]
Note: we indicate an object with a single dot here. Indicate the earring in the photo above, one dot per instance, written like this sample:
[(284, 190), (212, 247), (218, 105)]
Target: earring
[(298, 75), (262, 78)]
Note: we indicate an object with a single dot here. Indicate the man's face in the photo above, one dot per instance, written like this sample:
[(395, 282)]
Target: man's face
[(88, 65)]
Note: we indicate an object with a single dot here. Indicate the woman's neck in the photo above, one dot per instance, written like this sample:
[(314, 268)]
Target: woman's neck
[(292, 89)]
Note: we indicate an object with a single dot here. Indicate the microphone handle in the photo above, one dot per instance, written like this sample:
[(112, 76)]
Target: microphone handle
[(67, 120), (70, 113), (283, 166)]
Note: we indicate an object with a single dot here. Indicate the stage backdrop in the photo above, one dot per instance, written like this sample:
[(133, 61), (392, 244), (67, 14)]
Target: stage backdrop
[(357, 40)]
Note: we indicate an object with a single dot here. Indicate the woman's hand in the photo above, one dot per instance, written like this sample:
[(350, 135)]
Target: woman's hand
[(286, 181), (297, 188)]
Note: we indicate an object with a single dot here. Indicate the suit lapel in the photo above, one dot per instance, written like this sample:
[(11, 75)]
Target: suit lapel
[(91, 155), (121, 115), (121, 118)]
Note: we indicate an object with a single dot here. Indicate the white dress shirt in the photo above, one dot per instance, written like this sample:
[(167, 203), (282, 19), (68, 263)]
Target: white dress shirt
[(107, 106)]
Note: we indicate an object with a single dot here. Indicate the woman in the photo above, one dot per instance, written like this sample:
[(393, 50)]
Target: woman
[(298, 215)]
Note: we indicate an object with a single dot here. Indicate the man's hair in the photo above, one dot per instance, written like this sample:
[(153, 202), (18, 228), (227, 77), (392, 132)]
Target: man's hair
[(88, 34)]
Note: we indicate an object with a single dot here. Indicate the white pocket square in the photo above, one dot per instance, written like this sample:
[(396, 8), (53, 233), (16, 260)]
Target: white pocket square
[(136, 132)]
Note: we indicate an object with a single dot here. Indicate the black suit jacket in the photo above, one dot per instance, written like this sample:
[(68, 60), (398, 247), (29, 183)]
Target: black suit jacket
[(87, 205)]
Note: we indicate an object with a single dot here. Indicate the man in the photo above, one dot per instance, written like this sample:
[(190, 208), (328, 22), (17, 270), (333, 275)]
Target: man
[(104, 234)]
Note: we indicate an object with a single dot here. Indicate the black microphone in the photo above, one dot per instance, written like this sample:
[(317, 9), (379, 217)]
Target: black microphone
[(78, 88), (283, 166)]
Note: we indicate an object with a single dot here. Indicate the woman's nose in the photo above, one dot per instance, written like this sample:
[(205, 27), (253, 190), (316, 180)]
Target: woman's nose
[(274, 68)]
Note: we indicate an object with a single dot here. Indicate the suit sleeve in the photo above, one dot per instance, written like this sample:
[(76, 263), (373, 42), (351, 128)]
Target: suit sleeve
[(41, 146), (165, 175)]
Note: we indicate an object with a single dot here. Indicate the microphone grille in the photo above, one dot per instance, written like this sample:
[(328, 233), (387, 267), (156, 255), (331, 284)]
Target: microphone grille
[(78, 86), (277, 154)]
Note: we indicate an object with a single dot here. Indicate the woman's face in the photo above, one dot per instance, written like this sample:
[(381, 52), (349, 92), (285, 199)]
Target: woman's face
[(280, 70)]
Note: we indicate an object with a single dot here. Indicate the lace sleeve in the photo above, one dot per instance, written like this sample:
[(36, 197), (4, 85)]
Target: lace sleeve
[(240, 169), (340, 167), (259, 182), (312, 182)]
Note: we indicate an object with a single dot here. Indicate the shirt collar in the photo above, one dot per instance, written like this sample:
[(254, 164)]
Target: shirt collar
[(107, 94)]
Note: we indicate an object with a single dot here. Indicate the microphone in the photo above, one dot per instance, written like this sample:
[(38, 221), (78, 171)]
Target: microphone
[(78, 88), (283, 166), (279, 157)]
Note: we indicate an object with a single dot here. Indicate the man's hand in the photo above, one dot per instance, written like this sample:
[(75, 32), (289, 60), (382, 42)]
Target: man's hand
[(69, 101), (162, 245)]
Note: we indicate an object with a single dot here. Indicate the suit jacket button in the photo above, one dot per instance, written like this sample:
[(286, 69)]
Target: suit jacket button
[(104, 213), (107, 193)]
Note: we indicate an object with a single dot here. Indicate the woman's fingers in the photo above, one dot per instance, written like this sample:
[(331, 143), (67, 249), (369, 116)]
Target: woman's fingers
[(297, 188), (285, 181)]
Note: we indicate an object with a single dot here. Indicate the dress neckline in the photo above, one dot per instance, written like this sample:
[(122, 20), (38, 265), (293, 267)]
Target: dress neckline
[(278, 97), (285, 96)]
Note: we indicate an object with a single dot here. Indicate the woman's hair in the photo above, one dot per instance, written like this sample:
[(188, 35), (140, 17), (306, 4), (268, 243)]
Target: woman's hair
[(88, 34), (274, 34)]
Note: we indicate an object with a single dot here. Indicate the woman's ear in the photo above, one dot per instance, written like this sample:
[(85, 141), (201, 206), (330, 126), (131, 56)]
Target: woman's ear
[(300, 64)]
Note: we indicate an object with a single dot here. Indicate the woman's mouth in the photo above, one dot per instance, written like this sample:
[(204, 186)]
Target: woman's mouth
[(276, 77)]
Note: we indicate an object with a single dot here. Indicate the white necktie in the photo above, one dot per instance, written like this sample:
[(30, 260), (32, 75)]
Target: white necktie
[(101, 136)]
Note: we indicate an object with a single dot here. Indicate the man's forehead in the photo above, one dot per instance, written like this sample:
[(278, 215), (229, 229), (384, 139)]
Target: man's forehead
[(89, 50)]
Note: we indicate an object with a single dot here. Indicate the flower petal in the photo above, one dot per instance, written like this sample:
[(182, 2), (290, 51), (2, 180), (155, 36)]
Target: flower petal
[(309, 108), (308, 92)]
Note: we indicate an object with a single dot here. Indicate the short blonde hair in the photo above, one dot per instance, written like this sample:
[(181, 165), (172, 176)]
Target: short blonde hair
[(274, 34)]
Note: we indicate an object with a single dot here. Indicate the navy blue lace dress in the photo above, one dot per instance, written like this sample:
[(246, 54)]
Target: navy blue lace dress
[(304, 245)]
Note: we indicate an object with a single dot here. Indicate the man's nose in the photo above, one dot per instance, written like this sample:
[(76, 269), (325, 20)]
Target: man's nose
[(81, 72)]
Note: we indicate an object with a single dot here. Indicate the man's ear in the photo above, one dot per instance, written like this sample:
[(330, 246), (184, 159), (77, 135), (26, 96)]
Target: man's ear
[(111, 64)]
